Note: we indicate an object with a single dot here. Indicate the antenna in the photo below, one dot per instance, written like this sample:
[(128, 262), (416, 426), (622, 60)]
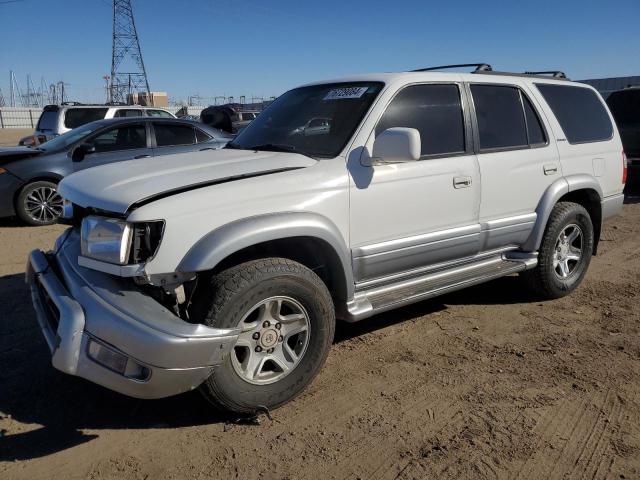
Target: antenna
[(126, 76)]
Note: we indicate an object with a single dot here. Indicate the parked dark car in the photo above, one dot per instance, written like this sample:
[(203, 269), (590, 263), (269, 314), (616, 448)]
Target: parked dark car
[(230, 118), (29, 176), (625, 108)]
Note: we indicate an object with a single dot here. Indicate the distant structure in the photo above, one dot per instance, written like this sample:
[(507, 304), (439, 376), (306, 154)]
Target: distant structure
[(608, 85), (1, 99), (128, 74)]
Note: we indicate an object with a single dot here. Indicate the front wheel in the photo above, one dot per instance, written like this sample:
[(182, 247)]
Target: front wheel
[(39, 203), (287, 323), (565, 252)]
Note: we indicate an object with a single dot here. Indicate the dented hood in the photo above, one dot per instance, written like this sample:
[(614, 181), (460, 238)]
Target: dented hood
[(116, 187)]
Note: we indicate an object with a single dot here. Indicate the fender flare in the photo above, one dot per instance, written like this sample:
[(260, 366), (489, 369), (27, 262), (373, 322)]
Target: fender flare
[(218, 244), (552, 194)]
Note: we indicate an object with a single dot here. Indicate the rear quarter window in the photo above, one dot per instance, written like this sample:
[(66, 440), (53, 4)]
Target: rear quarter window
[(48, 121), (579, 111), (75, 117)]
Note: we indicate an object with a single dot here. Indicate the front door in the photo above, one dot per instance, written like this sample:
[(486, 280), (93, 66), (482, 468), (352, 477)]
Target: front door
[(124, 142), (415, 214)]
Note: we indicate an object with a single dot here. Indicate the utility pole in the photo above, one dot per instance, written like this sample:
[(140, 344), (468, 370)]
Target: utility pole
[(14, 90), (128, 74)]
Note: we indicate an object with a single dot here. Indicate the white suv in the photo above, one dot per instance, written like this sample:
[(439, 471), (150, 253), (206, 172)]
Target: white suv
[(226, 270), (58, 119)]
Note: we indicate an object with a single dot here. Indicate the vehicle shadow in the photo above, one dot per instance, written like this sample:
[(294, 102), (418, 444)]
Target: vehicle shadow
[(43, 411), (10, 222)]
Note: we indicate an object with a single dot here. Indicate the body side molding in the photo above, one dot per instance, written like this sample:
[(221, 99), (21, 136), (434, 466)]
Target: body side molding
[(233, 237)]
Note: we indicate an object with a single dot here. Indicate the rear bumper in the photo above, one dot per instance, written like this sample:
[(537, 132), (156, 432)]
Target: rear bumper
[(612, 205), (76, 306), (9, 186)]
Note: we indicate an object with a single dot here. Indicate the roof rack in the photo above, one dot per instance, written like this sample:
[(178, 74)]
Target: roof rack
[(553, 73), (485, 68), (480, 67)]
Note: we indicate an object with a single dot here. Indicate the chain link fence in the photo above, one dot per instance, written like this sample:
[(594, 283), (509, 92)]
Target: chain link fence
[(19, 117)]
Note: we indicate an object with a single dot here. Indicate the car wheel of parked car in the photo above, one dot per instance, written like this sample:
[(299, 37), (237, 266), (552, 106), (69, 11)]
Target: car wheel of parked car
[(287, 318), (39, 203), (565, 252)]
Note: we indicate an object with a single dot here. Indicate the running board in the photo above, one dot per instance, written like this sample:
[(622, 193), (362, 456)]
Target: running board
[(380, 299)]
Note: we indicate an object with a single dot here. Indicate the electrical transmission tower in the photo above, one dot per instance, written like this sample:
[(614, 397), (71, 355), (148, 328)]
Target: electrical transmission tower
[(128, 74)]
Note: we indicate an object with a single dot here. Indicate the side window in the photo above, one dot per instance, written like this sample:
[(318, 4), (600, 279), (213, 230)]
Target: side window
[(127, 112), (167, 134), (435, 111), (535, 130), (579, 111), (120, 138), (202, 136), (500, 118), (158, 113), (75, 117)]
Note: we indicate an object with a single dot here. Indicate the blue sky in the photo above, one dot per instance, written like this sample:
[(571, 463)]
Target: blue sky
[(262, 48)]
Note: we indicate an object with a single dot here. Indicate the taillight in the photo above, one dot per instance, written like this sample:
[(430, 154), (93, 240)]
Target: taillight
[(624, 168)]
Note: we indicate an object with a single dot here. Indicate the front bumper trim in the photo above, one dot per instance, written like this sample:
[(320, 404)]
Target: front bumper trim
[(65, 342), (75, 306)]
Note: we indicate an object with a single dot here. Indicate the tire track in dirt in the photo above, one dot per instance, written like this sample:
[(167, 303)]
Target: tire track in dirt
[(576, 436), (380, 457)]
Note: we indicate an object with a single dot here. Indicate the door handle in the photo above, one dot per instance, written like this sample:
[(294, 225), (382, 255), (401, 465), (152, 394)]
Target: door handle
[(141, 156), (461, 182), (550, 169)]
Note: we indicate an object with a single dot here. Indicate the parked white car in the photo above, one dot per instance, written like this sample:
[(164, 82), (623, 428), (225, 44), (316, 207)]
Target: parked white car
[(226, 270)]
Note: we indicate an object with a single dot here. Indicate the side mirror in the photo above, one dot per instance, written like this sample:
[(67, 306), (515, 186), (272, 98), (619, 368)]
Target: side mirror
[(81, 151), (396, 145)]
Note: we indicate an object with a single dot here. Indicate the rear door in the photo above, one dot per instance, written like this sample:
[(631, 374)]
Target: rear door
[(120, 143), (517, 161), (174, 138)]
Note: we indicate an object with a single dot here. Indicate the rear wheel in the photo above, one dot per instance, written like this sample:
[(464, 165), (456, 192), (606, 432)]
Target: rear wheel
[(565, 252), (39, 203), (287, 323)]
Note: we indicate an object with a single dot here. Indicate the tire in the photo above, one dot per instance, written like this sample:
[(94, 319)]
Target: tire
[(43, 193), (552, 278), (244, 295)]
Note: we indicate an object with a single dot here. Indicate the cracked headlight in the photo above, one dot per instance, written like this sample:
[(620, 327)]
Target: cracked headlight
[(106, 239)]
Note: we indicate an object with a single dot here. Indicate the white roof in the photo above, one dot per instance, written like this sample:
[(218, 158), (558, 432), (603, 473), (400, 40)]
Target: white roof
[(435, 76)]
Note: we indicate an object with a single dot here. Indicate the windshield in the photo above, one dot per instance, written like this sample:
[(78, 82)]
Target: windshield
[(316, 121), (67, 139)]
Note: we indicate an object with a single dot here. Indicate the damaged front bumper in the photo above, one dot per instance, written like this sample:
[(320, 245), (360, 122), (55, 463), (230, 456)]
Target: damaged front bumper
[(106, 330)]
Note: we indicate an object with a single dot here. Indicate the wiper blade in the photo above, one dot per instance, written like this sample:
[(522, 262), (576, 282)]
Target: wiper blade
[(233, 146), (274, 147)]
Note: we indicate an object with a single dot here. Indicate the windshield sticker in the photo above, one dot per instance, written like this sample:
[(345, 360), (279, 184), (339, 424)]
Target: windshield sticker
[(348, 92)]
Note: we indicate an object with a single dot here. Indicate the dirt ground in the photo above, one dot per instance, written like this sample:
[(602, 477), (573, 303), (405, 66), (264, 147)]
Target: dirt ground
[(483, 383), (9, 137)]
